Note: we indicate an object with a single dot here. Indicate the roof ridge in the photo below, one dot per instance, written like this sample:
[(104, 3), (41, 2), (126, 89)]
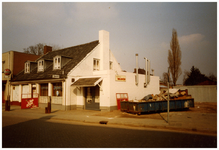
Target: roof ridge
[(76, 46)]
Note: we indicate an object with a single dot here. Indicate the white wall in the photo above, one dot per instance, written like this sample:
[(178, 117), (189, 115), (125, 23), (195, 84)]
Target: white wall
[(134, 92), (108, 85), (85, 69)]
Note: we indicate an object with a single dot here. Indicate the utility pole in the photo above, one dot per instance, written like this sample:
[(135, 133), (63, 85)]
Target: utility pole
[(168, 101)]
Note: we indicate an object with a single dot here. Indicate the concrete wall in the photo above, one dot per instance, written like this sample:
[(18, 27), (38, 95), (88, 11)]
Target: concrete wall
[(202, 93)]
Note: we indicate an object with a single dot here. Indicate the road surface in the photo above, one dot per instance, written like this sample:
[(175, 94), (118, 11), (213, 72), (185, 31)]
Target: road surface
[(20, 132)]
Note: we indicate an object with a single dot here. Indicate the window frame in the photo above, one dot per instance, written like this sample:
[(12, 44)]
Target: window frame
[(96, 64), (57, 63), (111, 65), (3, 66), (44, 89), (27, 67), (57, 87), (40, 68)]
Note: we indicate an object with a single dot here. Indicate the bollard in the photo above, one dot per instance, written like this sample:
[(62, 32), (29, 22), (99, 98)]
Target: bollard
[(46, 110), (7, 105), (49, 107)]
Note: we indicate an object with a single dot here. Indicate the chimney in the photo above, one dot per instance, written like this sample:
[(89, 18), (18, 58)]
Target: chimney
[(104, 49), (47, 49)]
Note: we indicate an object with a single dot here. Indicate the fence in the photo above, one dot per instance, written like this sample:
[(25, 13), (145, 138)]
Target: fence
[(202, 93)]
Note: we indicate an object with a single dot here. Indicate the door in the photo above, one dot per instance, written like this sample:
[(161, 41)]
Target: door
[(92, 98), (121, 97), (15, 93), (34, 93)]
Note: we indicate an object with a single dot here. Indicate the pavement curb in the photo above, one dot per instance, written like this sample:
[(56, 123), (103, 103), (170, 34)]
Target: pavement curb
[(177, 125), (163, 128)]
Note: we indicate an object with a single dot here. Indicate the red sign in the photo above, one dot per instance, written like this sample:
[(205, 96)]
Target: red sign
[(29, 103), (7, 71), (121, 78)]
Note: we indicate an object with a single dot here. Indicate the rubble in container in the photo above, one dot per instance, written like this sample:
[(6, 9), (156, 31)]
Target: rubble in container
[(174, 94)]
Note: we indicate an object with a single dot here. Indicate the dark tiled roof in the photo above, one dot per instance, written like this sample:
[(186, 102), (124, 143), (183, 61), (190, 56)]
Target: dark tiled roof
[(77, 53)]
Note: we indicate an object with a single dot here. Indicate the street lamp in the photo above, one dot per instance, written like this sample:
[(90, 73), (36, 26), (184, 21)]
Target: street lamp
[(7, 72)]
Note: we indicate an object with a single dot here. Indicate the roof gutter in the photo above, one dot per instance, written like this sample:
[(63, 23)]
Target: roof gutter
[(37, 81)]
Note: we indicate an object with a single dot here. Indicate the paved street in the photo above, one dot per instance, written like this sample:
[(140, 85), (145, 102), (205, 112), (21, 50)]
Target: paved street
[(22, 132)]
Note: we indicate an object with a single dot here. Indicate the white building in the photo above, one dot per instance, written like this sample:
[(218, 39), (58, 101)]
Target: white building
[(81, 77)]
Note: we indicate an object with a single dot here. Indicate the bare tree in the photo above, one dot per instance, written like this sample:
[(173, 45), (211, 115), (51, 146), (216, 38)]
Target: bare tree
[(38, 49), (212, 77), (165, 79), (174, 57), (186, 75)]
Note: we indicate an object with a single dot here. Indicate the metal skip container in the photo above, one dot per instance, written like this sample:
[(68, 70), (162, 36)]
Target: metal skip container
[(156, 106)]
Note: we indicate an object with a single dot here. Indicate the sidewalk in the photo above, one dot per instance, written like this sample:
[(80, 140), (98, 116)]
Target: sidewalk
[(184, 121)]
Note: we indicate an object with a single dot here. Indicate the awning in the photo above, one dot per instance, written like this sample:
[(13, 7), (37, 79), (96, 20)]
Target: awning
[(87, 82)]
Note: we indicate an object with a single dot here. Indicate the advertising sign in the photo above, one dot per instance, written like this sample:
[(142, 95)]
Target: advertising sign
[(29, 103), (7, 72), (121, 78)]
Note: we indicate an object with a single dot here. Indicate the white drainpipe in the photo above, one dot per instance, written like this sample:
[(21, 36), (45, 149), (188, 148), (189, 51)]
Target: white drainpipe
[(136, 55), (146, 60)]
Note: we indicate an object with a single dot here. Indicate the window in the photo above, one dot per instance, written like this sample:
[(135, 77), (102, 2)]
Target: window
[(57, 89), (3, 66), (96, 65), (27, 67), (111, 65), (57, 63), (40, 65), (43, 89)]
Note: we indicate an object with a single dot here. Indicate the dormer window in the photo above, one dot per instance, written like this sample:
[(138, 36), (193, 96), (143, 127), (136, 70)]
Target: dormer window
[(27, 67), (57, 62), (40, 65)]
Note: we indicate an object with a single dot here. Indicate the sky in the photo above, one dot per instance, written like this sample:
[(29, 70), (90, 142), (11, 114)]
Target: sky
[(134, 27)]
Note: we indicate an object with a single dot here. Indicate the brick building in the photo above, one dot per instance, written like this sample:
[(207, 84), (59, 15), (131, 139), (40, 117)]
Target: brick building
[(15, 62)]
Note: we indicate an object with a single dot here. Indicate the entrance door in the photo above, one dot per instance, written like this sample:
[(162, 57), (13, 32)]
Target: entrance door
[(15, 93), (92, 101)]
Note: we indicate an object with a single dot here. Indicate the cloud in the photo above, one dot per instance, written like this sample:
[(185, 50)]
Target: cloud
[(194, 41)]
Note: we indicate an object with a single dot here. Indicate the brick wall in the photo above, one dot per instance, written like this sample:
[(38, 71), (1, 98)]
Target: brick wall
[(20, 59)]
